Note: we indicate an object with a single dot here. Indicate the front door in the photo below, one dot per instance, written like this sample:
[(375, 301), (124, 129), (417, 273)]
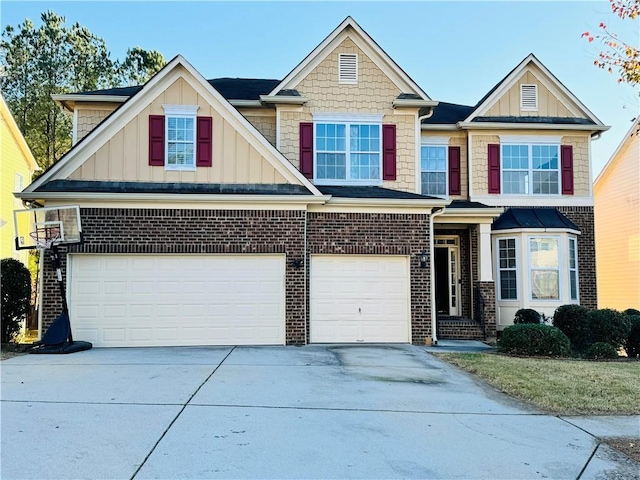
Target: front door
[(447, 276)]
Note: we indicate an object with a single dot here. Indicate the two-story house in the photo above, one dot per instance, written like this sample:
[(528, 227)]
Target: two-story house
[(339, 204)]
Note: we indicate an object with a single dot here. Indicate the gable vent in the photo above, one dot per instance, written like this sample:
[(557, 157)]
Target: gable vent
[(529, 97), (348, 68)]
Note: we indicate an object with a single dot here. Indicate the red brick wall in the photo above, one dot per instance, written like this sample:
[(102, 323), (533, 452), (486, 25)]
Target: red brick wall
[(379, 234)]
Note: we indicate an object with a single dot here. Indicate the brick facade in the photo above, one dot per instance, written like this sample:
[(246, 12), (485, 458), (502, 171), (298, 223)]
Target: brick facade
[(488, 292), (379, 234)]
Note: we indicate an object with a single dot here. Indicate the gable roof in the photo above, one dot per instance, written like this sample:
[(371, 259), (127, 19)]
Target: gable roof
[(512, 77), (350, 28), (17, 134), (168, 74), (633, 133)]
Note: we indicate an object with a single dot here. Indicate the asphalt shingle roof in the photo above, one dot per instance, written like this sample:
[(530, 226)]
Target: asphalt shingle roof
[(351, 191)]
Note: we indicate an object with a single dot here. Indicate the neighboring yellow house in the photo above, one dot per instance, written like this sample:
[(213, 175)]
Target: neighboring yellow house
[(617, 202), (16, 169)]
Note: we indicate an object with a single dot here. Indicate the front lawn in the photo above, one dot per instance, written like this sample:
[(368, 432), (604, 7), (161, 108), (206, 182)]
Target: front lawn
[(562, 387)]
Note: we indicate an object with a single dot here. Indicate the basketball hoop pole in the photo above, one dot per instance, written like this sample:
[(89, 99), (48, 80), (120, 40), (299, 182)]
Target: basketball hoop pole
[(55, 258)]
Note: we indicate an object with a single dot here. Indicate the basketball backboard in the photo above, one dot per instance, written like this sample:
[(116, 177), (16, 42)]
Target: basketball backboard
[(59, 225)]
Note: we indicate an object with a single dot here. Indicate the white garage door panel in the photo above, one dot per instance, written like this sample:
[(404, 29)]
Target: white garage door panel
[(358, 298), (136, 300)]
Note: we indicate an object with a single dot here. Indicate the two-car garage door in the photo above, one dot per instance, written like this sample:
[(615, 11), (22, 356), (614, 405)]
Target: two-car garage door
[(153, 300)]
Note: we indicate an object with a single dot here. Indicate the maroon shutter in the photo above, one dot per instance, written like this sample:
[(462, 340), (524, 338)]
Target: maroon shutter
[(566, 167), (494, 167), (156, 140), (306, 149), (388, 152), (204, 143), (454, 171)]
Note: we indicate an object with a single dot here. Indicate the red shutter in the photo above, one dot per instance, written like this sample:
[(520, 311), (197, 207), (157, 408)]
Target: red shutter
[(454, 171), (566, 167), (388, 152), (306, 149), (494, 167), (204, 143), (156, 140)]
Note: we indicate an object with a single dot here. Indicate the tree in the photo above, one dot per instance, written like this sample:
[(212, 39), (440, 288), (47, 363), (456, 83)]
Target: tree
[(53, 59), (618, 54), (15, 283)]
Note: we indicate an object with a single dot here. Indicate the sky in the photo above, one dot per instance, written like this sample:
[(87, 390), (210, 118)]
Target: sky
[(456, 51)]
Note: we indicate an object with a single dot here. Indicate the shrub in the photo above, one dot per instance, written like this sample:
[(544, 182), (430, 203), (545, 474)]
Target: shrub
[(632, 345), (527, 315), (601, 350), (573, 321), (631, 311), (609, 326), (16, 296), (531, 339)]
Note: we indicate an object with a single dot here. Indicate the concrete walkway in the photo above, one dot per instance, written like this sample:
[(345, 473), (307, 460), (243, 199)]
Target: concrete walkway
[(283, 412)]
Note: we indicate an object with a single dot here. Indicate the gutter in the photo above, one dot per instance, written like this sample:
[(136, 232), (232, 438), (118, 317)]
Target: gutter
[(283, 100), (394, 202), (432, 272), (413, 103), (529, 126)]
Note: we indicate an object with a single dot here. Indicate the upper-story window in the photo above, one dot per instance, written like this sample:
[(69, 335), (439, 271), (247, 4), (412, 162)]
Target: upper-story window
[(348, 151), (530, 169), (180, 137), (433, 170)]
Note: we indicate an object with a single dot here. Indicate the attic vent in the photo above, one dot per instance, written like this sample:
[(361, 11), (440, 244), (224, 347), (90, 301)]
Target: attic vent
[(529, 97), (348, 68)]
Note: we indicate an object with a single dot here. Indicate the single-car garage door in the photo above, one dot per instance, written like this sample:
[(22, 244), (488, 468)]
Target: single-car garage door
[(360, 299), (154, 300)]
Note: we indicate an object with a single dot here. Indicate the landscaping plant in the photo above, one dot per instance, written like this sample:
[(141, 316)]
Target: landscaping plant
[(16, 296), (632, 345), (527, 315), (601, 351), (532, 339), (573, 321), (609, 326)]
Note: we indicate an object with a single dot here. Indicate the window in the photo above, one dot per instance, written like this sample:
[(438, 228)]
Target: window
[(349, 152), (530, 169), (18, 185), (507, 268), (544, 268), (573, 268), (529, 97), (180, 121), (348, 68), (433, 170)]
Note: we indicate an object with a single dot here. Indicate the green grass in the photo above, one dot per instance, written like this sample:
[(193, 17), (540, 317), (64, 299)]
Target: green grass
[(563, 387)]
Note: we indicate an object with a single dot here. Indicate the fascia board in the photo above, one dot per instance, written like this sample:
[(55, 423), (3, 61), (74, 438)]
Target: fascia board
[(529, 126), (395, 202)]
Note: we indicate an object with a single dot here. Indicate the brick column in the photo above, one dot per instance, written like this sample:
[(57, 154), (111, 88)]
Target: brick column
[(488, 292)]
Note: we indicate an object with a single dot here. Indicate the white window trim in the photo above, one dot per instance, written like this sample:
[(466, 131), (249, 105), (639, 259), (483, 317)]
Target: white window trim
[(524, 108), (575, 249), (557, 269), (347, 120), (530, 170), (446, 168), (348, 81), (498, 270), (180, 111)]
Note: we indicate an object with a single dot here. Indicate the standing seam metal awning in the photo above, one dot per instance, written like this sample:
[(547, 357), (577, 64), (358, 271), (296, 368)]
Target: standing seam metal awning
[(514, 218)]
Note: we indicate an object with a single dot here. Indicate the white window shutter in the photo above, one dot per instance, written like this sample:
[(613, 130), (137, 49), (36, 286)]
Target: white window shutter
[(528, 97), (348, 68)]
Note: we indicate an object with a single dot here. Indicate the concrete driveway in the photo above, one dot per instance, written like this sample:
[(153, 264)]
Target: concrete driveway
[(280, 412)]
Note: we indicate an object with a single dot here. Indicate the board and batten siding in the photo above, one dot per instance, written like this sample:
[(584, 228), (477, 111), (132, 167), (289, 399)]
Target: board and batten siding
[(548, 104), (617, 212), (124, 157)]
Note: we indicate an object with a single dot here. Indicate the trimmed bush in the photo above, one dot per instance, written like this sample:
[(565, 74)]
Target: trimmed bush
[(527, 315), (531, 339), (601, 350), (609, 326), (632, 345), (16, 296), (573, 321)]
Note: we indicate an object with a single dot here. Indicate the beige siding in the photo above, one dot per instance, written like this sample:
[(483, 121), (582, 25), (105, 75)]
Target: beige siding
[(263, 120), (456, 139), (125, 156), (617, 210), (90, 115), (548, 104), (581, 177), (374, 93)]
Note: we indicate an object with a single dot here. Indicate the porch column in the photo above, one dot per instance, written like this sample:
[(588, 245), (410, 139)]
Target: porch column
[(485, 267)]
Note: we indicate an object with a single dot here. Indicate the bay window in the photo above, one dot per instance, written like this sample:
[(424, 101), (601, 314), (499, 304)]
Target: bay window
[(507, 271), (544, 268)]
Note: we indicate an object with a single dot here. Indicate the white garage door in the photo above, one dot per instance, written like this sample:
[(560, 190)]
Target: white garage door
[(360, 298), (153, 300)]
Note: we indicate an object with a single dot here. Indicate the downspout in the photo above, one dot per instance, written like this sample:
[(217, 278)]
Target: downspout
[(307, 273), (432, 273)]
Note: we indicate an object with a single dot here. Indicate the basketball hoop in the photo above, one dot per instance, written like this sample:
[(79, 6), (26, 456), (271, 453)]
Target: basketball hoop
[(44, 237)]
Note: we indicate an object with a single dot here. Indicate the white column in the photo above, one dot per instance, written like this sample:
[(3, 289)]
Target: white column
[(485, 267)]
